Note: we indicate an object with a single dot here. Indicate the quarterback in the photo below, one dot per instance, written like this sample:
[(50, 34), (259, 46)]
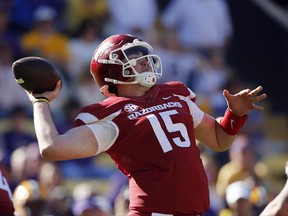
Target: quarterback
[(148, 129)]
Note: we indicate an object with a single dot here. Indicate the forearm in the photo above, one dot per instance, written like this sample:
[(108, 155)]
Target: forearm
[(227, 127), (224, 140), (218, 140), (45, 129)]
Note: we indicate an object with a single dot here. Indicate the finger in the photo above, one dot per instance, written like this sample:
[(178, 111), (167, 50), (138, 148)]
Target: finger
[(225, 92), (59, 85), (259, 98), (256, 107), (256, 91), (245, 91)]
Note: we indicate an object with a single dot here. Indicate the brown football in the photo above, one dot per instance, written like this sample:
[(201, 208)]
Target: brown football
[(35, 74)]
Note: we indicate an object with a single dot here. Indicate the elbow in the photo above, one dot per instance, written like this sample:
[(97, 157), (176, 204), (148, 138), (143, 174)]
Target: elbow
[(48, 154), (222, 149), (223, 145), (219, 148)]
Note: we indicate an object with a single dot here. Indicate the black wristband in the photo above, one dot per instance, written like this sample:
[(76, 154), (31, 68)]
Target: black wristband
[(41, 99)]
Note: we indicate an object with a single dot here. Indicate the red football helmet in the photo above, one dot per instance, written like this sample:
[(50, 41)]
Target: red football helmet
[(114, 60)]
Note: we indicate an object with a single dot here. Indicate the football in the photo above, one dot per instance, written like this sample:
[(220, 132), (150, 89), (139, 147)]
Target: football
[(35, 74)]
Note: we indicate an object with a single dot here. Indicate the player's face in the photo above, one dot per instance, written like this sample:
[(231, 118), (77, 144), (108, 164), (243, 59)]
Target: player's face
[(140, 64)]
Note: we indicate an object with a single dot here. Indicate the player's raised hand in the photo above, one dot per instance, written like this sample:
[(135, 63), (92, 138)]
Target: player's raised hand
[(244, 101), (50, 95)]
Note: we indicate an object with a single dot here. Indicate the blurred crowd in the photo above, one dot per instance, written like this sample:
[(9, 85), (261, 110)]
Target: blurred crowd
[(191, 37)]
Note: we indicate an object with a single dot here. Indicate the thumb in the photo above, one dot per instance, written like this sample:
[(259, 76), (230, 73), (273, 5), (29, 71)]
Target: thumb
[(226, 93)]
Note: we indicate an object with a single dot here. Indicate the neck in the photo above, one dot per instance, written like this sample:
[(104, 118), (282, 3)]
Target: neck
[(135, 90)]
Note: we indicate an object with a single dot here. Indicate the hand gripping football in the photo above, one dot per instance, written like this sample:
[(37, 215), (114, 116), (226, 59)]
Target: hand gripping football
[(35, 74)]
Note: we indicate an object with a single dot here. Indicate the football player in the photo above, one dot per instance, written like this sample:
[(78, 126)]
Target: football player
[(6, 203), (148, 129)]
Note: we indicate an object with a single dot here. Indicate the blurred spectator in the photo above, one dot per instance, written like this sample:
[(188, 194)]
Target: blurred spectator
[(7, 34), (39, 185), (237, 198), (33, 162), (178, 64), (51, 188), (25, 163), (241, 165), (212, 167), (85, 168), (11, 94), (59, 203), (132, 17), (27, 199), (78, 11), (122, 202), (49, 177), (240, 199), (88, 200), (200, 25), (22, 12), (86, 90), (82, 46), (19, 131), (69, 112), (45, 40), (95, 205), (116, 183), (17, 163), (162, 4)]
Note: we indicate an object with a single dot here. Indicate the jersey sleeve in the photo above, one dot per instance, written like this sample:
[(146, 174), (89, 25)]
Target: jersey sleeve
[(196, 112), (179, 88), (190, 97), (103, 131)]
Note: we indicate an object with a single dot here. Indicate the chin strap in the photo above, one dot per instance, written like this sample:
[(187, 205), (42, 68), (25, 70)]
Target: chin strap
[(114, 81), (145, 79)]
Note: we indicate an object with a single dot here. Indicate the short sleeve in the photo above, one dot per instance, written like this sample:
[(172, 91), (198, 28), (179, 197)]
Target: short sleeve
[(104, 133), (197, 114)]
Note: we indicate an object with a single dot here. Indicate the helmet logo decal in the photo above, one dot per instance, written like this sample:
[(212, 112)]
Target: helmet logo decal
[(101, 50), (130, 108)]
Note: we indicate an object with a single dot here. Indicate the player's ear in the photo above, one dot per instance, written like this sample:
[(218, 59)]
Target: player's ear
[(105, 91)]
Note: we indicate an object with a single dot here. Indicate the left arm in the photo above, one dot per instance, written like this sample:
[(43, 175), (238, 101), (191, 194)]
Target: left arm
[(218, 133)]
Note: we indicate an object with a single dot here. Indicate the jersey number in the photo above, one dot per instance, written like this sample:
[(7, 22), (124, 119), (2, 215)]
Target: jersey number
[(171, 127)]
